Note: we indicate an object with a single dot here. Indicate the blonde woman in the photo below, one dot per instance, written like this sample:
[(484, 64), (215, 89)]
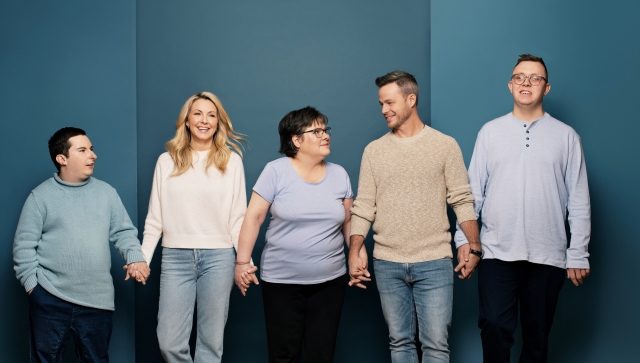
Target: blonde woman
[(197, 205)]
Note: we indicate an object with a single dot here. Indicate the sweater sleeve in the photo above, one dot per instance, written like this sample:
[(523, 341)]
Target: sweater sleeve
[(579, 207), (478, 177), (239, 202), (25, 243), (153, 222), (459, 195), (363, 212), (123, 234)]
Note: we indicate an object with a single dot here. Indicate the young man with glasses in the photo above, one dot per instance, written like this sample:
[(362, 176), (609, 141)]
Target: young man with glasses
[(526, 173), (407, 178)]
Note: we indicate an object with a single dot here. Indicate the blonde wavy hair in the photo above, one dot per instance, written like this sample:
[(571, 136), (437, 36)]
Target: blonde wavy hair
[(224, 138)]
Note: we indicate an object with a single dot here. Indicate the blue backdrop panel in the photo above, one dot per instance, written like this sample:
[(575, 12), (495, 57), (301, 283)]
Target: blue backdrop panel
[(264, 59), (62, 64), (591, 50)]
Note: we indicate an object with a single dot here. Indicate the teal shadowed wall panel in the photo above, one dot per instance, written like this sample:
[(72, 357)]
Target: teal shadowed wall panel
[(591, 50), (68, 63), (264, 59)]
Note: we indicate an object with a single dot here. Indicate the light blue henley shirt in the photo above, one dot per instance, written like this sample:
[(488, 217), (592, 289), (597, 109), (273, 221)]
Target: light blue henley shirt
[(525, 178)]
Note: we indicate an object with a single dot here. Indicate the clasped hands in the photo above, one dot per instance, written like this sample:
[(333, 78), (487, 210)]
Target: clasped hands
[(359, 269), (244, 275), (467, 262), (138, 271)]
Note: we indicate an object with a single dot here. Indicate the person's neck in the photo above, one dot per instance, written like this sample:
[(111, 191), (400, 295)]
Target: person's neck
[(200, 145), (528, 114), (65, 177), (308, 168), (409, 128)]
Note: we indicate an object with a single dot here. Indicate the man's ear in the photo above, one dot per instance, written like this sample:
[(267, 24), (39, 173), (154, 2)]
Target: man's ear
[(61, 159), (412, 100)]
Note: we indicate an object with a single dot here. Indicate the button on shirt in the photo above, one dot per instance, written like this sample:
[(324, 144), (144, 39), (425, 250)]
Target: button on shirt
[(525, 177)]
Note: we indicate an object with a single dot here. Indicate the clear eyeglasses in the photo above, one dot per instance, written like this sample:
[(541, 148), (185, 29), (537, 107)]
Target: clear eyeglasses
[(319, 132), (535, 79)]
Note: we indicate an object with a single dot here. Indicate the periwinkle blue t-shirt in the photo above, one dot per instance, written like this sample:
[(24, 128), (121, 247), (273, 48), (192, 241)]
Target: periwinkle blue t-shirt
[(304, 242)]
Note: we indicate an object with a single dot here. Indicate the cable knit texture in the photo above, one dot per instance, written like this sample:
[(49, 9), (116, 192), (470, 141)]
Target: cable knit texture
[(62, 241), (405, 185), (197, 209)]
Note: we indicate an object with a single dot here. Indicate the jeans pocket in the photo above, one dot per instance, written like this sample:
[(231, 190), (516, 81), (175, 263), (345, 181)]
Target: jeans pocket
[(34, 291)]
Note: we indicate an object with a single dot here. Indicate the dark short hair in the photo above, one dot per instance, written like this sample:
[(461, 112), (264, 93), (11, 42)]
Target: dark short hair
[(533, 58), (407, 83), (294, 123), (59, 142)]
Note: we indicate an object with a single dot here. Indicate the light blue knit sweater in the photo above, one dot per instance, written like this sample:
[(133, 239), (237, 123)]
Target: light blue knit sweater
[(62, 241)]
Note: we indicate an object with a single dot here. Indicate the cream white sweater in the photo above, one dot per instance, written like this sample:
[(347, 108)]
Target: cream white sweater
[(198, 209)]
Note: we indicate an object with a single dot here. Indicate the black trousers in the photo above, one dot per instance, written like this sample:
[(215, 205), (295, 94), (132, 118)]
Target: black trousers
[(303, 314), (502, 285)]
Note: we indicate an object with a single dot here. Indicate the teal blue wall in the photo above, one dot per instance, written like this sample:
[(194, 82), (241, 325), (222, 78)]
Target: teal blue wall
[(122, 70), (69, 63), (592, 52), (264, 59)]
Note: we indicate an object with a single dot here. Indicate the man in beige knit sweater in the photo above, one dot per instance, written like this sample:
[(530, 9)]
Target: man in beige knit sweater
[(407, 178)]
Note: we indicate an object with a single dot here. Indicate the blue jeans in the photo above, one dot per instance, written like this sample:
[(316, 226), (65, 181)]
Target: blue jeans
[(189, 277), (52, 321), (423, 290)]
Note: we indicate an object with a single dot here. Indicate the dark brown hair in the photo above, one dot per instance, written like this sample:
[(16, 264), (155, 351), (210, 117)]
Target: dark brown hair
[(407, 83), (533, 58), (294, 123), (59, 142)]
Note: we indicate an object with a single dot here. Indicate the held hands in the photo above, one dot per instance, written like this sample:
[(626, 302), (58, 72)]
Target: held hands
[(467, 262), (577, 275), (138, 271), (245, 274), (359, 269)]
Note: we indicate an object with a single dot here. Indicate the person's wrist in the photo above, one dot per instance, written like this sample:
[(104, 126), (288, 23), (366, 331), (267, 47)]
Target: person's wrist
[(476, 252), (238, 263)]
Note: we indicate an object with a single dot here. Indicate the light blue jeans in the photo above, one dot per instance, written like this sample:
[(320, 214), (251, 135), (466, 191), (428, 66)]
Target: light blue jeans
[(423, 290), (189, 277)]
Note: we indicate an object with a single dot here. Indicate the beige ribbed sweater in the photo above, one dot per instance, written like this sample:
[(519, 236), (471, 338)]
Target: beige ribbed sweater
[(404, 188)]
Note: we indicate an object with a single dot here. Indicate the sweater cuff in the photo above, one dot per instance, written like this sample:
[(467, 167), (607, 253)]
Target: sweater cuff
[(31, 282), (135, 256), (465, 213), (359, 226)]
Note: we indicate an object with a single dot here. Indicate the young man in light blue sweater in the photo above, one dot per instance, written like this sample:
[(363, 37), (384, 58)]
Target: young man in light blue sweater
[(526, 173), (61, 254)]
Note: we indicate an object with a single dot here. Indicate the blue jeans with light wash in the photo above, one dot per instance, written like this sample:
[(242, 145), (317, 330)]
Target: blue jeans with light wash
[(420, 291), (188, 277)]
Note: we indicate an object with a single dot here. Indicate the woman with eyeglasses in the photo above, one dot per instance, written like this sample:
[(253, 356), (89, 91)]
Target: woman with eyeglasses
[(303, 268), (198, 200)]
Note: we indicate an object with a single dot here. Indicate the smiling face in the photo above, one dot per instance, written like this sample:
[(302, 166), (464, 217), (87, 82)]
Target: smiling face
[(310, 145), (396, 108), (527, 95), (202, 123), (78, 166)]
